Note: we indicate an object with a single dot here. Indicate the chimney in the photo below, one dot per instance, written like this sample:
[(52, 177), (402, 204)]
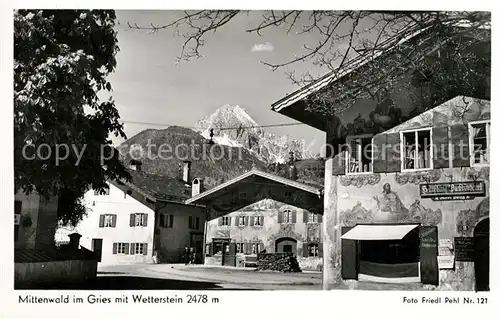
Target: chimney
[(186, 172), (197, 187), (74, 241)]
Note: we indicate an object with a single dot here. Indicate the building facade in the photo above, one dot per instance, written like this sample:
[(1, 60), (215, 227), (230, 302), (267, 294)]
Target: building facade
[(143, 221), (406, 199), (258, 212), (265, 227)]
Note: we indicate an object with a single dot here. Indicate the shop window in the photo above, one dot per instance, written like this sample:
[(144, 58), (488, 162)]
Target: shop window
[(359, 155), (416, 150), (479, 143)]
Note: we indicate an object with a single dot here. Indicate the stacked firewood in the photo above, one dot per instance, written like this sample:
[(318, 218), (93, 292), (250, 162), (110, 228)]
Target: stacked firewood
[(282, 262)]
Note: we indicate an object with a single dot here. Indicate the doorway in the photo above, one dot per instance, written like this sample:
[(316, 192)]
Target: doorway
[(229, 254), (482, 255), (97, 248), (197, 244), (286, 245)]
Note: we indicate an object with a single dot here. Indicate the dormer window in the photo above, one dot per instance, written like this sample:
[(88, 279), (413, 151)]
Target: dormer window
[(359, 158)]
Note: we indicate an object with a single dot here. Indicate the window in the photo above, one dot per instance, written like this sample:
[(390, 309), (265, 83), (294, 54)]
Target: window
[(194, 222), (287, 216), (313, 250), (241, 220), (258, 220), (226, 221), (313, 218), (359, 154), (108, 220), (255, 248), (139, 249), (416, 150), (166, 221), (138, 219), (288, 194), (479, 143), (122, 248), (240, 248)]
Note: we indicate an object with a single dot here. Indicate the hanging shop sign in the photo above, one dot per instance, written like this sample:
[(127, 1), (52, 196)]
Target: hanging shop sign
[(453, 191), (464, 248)]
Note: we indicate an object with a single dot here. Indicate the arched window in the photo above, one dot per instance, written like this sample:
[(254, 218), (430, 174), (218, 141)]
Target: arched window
[(287, 216), (313, 250)]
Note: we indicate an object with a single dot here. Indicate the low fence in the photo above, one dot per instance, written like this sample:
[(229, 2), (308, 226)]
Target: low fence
[(34, 269)]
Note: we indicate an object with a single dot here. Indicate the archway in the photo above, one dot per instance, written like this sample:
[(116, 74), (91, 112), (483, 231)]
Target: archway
[(482, 255), (286, 245)]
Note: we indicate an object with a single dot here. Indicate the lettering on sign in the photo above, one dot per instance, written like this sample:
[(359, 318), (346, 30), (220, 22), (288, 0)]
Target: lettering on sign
[(446, 262), (453, 191), (464, 249)]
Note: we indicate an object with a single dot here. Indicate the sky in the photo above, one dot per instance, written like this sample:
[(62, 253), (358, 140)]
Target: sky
[(148, 85)]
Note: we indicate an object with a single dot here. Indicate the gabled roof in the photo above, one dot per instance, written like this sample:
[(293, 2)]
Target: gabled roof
[(157, 187), (351, 66), (254, 173)]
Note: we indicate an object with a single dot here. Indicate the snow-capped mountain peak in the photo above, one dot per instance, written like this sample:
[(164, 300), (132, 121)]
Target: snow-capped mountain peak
[(233, 126)]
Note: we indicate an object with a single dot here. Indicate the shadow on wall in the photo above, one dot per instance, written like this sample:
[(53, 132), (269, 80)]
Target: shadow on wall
[(132, 283)]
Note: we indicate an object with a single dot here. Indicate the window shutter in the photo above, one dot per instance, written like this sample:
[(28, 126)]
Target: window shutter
[(305, 216), (429, 271), (320, 218), (209, 249), (460, 140), (162, 220), (378, 145), (145, 251), (305, 250), (229, 220), (171, 221), (245, 220), (132, 220), (132, 248), (252, 220), (320, 250), (262, 220), (127, 249), (441, 147), (349, 262), (101, 220), (393, 153), (294, 217), (261, 247), (190, 222), (115, 248), (145, 220), (113, 221), (220, 221), (280, 217), (339, 164), (197, 223)]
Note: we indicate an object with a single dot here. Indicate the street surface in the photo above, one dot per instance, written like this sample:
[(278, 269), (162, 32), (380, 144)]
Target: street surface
[(200, 277)]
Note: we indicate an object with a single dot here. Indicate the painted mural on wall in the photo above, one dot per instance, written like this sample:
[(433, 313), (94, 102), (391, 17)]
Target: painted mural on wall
[(360, 180), (418, 177), (458, 110), (468, 218)]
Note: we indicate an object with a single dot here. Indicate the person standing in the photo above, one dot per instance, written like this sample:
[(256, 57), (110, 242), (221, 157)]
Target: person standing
[(192, 256), (186, 256)]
